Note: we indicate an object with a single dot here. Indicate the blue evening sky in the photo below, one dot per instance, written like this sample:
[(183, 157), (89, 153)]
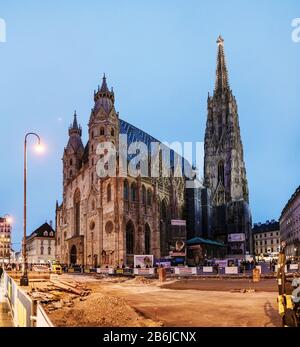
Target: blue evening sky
[(160, 57)]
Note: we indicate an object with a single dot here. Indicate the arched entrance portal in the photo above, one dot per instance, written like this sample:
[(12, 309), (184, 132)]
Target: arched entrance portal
[(73, 255)]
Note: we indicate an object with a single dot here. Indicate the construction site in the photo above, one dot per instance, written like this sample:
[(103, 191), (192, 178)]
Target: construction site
[(97, 300)]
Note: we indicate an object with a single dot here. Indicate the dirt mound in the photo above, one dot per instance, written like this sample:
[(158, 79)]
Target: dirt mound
[(140, 280), (99, 311)]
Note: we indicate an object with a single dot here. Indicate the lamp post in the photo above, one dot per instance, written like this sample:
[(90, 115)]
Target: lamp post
[(24, 278)]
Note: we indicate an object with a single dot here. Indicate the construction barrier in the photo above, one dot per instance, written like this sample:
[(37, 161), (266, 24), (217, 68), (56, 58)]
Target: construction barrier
[(185, 271), (42, 320), (22, 307), (231, 270)]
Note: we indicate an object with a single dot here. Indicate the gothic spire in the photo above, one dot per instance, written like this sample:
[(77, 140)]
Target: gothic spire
[(75, 128), (221, 72), (104, 87), (104, 97), (75, 123)]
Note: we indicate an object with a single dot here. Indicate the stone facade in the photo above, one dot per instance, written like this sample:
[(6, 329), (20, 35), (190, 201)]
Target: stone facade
[(290, 225), (5, 240), (105, 221), (40, 245), (266, 238), (224, 166)]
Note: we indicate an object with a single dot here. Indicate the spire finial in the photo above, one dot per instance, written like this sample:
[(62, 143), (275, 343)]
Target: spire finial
[(221, 72), (104, 87), (220, 40), (75, 123)]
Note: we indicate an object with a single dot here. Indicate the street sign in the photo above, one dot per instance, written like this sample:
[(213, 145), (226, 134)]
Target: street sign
[(178, 222)]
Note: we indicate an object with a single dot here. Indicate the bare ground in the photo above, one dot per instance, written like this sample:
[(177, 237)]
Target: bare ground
[(139, 302)]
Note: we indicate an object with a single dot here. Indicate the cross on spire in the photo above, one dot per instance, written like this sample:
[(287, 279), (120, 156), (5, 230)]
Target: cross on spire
[(221, 71)]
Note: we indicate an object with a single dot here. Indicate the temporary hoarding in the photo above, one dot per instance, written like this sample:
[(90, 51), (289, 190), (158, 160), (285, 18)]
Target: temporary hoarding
[(177, 238), (178, 222), (207, 269), (221, 263), (185, 271), (144, 272), (294, 266), (231, 270), (143, 261), (236, 237)]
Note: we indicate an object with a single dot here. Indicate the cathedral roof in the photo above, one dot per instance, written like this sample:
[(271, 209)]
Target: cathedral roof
[(75, 131), (135, 134)]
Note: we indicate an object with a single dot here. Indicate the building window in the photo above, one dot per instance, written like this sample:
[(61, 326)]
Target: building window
[(129, 238), (133, 192), (49, 250), (109, 193), (71, 162), (101, 131), (112, 132), (45, 233), (147, 239), (126, 190), (221, 172), (144, 195), (149, 197), (77, 212)]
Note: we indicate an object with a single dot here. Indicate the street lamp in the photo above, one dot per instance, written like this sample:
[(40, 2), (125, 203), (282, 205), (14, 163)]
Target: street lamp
[(39, 148)]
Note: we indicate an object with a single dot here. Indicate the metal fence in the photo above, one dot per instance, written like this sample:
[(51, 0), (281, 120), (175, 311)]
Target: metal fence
[(25, 311)]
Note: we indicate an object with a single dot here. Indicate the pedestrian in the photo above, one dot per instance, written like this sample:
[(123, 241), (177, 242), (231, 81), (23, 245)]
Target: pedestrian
[(1, 272)]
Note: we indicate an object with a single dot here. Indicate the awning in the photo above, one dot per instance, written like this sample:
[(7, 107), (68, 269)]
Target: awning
[(200, 240)]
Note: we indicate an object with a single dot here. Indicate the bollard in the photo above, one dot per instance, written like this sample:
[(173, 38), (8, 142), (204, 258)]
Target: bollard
[(255, 275), (162, 274)]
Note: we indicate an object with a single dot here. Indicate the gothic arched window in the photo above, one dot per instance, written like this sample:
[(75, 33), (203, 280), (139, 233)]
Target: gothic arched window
[(126, 190), (129, 238), (149, 197), (147, 239), (101, 131), (133, 192), (112, 132), (221, 174), (144, 195), (108, 193), (77, 199)]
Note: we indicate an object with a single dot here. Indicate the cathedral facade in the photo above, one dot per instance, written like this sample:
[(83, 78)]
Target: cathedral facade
[(105, 221)]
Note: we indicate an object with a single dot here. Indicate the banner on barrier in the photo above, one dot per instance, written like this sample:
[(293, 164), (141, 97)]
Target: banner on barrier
[(185, 270), (294, 266), (207, 269), (108, 271), (144, 272), (231, 270)]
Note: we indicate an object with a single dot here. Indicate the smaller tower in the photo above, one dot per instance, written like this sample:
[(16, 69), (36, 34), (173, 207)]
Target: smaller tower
[(103, 124), (72, 158)]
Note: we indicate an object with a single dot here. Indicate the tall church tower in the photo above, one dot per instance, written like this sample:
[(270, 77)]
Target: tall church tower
[(72, 158), (103, 125), (224, 166)]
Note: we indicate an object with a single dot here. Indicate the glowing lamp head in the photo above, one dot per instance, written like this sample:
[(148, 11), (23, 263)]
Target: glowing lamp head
[(9, 220), (39, 148)]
